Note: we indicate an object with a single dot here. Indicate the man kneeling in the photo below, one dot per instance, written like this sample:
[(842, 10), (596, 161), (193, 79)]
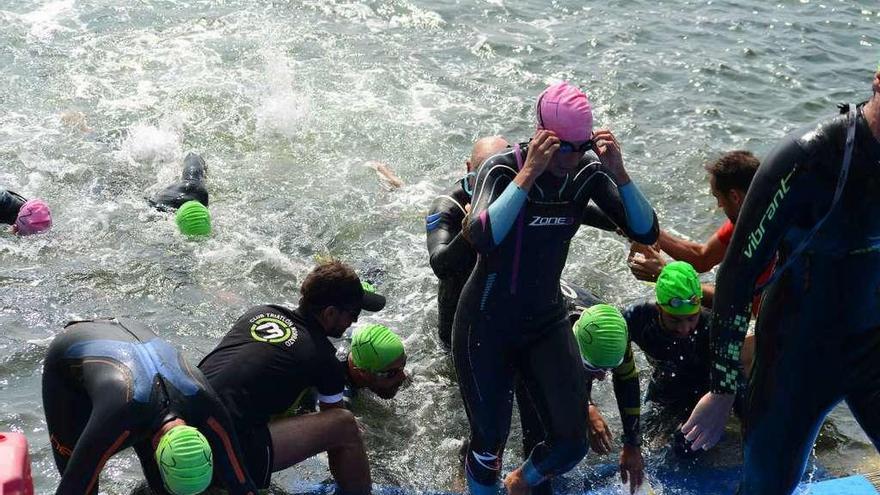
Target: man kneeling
[(273, 356)]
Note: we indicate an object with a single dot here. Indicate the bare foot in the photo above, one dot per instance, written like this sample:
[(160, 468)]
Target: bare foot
[(516, 483)]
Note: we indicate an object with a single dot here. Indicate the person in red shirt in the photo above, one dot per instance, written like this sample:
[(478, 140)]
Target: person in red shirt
[(729, 179)]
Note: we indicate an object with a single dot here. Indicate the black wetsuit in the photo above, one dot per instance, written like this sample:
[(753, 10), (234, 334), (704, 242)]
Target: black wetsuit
[(452, 258), (111, 384), (267, 362), (10, 204), (190, 187), (818, 332), (511, 320)]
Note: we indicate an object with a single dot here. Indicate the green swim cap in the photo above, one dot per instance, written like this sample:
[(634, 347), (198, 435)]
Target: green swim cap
[(374, 347), (193, 218), (678, 289), (601, 336), (185, 460)]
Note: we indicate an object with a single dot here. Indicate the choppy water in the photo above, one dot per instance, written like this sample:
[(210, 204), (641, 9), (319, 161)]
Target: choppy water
[(100, 99)]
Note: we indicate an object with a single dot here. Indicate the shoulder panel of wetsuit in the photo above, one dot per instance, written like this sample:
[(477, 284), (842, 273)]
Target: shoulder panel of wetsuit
[(492, 181)]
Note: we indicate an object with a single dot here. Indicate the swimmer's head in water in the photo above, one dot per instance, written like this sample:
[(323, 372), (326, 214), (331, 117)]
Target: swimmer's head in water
[(565, 110), (601, 336), (185, 460), (193, 219), (33, 217), (678, 289), (379, 359), (375, 347)]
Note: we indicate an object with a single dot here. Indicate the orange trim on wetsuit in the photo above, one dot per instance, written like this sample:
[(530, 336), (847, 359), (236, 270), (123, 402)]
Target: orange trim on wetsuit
[(227, 445), (107, 454)]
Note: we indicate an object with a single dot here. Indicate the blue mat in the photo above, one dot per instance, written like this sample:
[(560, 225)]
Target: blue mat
[(603, 481)]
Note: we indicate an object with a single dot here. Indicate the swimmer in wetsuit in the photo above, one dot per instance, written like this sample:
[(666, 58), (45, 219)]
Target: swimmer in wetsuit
[(818, 333), (188, 197), (113, 384), (511, 320), (26, 217), (601, 335), (673, 334), (452, 258), (190, 187)]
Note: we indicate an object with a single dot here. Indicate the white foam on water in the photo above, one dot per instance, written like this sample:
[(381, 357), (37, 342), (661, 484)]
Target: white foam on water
[(284, 109), (151, 144), (47, 20)]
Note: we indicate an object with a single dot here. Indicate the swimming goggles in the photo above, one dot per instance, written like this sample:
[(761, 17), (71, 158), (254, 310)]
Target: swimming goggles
[(566, 147), (677, 302), (596, 369), (466, 183)]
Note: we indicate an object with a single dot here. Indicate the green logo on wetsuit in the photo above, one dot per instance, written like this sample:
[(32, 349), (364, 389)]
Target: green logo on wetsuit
[(273, 328)]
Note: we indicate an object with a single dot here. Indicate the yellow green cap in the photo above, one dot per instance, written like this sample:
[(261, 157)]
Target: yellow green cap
[(375, 347), (185, 460), (193, 218), (678, 289), (601, 336)]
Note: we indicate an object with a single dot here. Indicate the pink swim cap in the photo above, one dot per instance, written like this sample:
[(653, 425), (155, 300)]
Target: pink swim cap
[(565, 110), (33, 217)]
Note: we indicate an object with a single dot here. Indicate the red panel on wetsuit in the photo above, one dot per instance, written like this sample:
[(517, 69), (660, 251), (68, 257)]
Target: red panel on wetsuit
[(725, 233)]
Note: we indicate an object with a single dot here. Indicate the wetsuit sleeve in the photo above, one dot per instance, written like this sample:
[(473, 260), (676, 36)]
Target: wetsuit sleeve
[(771, 203), (330, 381), (147, 457), (10, 204), (496, 205), (218, 430), (447, 248), (628, 395), (630, 218), (594, 217), (639, 214)]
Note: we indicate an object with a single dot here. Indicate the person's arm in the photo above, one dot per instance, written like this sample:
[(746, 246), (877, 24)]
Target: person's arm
[(613, 203), (10, 204), (147, 457), (776, 195), (594, 217), (703, 257), (628, 395), (501, 192), (447, 248), (627, 392)]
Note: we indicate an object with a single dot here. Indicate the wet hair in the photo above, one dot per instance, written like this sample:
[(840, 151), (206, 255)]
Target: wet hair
[(332, 283), (734, 170)]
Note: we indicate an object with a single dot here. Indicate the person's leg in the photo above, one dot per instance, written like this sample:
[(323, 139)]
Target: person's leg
[(485, 379), (334, 431), (532, 431), (794, 384), (864, 376), (67, 410), (553, 375)]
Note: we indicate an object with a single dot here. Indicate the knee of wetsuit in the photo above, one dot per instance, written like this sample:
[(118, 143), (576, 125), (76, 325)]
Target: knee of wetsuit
[(567, 454)]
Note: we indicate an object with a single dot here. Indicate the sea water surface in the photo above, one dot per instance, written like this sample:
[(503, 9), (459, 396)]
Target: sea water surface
[(286, 100)]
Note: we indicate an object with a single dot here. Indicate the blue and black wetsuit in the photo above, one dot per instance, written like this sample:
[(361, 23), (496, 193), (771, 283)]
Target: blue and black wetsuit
[(452, 258), (10, 204), (511, 320), (190, 187), (111, 384), (818, 332)]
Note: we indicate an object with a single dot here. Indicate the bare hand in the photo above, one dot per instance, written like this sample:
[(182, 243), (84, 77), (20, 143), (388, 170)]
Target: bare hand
[(706, 423), (600, 434), (632, 467), (608, 150), (541, 149), (645, 262)]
